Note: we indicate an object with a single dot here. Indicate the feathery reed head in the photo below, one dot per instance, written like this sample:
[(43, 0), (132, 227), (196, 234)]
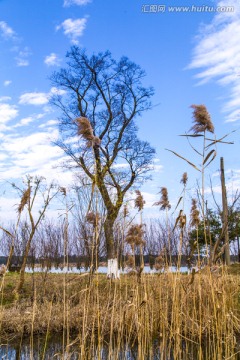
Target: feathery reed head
[(163, 202), (194, 215), (86, 131), (63, 190), (201, 119), (159, 263), (182, 219), (24, 200), (130, 261), (84, 128), (184, 179), (93, 218), (135, 235), (125, 211), (139, 202), (3, 269)]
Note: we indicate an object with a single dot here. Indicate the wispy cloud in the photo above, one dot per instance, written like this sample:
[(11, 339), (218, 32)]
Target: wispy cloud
[(33, 154), (48, 123), (22, 58), (52, 60), (217, 55), (8, 112), (73, 28), (27, 120), (22, 62), (5, 98), (34, 98), (7, 82), (75, 2), (39, 98), (29, 153), (6, 31)]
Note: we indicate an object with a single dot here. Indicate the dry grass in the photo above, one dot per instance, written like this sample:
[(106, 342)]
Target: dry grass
[(172, 309)]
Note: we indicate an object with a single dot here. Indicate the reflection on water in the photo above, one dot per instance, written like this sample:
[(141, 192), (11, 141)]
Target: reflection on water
[(39, 349), (23, 350)]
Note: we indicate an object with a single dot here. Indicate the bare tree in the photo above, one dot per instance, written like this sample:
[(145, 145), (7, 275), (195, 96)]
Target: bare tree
[(89, 237), (49, 238), (111, 96), (35, 187)]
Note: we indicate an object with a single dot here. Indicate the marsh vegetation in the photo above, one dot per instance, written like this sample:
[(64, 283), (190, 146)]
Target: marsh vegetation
[(163, 315)]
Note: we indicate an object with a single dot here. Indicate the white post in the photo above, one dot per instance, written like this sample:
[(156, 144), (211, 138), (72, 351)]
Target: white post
[(113, 272)]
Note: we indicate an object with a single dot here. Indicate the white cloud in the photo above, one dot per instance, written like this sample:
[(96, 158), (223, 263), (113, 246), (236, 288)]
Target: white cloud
[(7, 82), (25, 121), (35, 155), (149, 198), (28, 154), (22, 62), (34, 98), (8, 112), (217, 55), (121, 166), (5, 98), (73, 28), (56, 91), (157, 168), (7, 31), (8, 207), (3, 157), (75, 2), (51, 60), (39, 98), (2, 129), (48, 123), (28, 120), (22, 58), (20, 144)]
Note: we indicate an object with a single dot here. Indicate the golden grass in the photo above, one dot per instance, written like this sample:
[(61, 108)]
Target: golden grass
[(202, 310)]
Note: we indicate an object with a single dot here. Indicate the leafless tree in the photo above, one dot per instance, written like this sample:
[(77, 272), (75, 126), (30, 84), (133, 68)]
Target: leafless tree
[(89, 238), (35, 187), (111, 96)]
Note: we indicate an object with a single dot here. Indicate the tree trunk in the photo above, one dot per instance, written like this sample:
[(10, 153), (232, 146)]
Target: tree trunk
[(23, 267), (112, 271), (238, 242), (225, 214)]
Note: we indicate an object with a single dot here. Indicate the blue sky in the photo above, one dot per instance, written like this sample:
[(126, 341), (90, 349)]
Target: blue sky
[(190, 57)]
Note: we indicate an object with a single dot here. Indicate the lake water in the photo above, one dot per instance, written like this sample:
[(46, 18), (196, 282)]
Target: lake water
[(53, 350), (101, 270)]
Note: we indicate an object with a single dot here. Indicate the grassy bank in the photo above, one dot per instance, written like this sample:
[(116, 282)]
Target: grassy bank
[(174, 309)]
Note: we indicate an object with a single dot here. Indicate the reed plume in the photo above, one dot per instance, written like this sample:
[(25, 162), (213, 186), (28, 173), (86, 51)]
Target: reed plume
[(93, 218), (135, 235), (63, 190), (159, 261), (86, 131), (184, 179), (181, 220), (24, 200), (194, 215), (163, 202), (125, 211), (201, 119), (130, 262), (139, 201)]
